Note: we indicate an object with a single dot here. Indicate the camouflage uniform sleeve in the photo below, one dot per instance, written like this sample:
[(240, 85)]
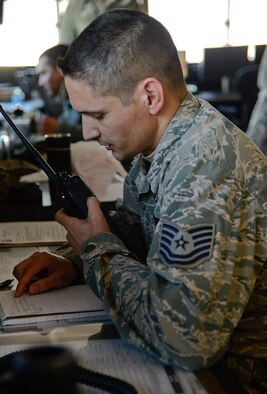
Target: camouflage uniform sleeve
[(257, 127), (65, 250), (184, 312)]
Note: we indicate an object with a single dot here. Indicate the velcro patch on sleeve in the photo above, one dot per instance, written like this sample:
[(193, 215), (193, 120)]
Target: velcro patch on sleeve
[(186, 248)]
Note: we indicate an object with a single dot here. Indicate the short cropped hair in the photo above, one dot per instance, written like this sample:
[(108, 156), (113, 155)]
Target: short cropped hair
[(53, 53), (120, 48)]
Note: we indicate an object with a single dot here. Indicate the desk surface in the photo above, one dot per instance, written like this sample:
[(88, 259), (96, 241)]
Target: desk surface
[(87, 343)]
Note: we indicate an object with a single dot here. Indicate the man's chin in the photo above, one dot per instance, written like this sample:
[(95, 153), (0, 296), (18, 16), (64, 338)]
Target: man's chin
[(121, 156)]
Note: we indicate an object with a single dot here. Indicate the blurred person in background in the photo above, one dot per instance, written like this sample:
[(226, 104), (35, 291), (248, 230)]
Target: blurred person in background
[(57, 116), (257, 127), (79, 13)]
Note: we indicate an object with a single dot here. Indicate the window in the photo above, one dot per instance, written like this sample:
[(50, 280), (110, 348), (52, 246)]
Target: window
[(29, 27), (198, 24)]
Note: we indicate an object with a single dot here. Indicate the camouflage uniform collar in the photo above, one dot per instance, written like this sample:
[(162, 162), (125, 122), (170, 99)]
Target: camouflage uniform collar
[(139, 172), (148, 179), (178, 126)]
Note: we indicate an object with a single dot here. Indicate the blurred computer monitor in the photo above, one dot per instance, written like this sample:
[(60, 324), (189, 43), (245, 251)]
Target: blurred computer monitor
[(221, 62)]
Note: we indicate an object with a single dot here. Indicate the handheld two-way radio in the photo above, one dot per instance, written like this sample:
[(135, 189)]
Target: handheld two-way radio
[(71, 191)]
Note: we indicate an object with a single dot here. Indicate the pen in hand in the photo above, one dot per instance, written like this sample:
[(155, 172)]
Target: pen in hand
[(5, 284)]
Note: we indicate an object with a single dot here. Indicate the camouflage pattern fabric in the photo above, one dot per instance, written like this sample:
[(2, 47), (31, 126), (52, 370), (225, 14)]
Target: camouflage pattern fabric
[(203, 210), (257, 128), (251, 373), (10, 173), (17, 168), (247, 355), (80, 13)]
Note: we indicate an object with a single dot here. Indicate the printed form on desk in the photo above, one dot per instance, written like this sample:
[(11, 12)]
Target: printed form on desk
[(148, 376), (31, 233), (118, 359)]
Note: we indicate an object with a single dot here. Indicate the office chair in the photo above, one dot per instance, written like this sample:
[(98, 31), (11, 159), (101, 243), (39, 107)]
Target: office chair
[(245, 81)]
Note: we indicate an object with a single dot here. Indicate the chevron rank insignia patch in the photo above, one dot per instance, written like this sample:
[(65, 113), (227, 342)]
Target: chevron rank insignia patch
[(186, 248)]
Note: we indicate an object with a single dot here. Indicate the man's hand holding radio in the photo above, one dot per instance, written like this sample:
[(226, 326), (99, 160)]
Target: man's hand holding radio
[(79, 230)]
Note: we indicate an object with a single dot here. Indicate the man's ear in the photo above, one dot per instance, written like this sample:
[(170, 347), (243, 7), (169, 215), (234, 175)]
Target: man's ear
[(154, 94)]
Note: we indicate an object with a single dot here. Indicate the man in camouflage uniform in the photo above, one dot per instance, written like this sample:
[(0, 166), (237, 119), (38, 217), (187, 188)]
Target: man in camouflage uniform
[(79, 13), (257, 127), (194, 203)]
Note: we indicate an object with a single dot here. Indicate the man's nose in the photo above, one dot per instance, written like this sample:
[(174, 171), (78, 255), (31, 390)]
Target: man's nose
[(90, 130)]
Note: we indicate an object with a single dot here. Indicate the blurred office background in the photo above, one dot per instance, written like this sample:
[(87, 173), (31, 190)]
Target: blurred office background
[(220, 44)]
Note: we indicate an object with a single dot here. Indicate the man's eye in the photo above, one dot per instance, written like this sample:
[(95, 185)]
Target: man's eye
[(99, 116)]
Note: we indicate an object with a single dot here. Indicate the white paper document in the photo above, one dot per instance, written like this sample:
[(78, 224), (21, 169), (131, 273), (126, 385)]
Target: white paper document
[(31, 233), (148, 376), (72, 302)]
